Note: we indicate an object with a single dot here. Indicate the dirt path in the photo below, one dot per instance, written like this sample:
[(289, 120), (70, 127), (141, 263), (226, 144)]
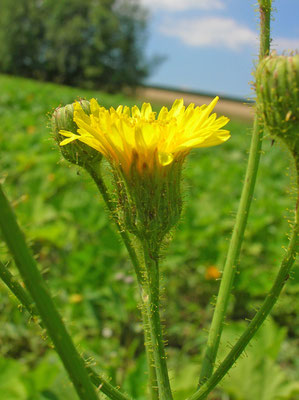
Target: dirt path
[(231, 108)]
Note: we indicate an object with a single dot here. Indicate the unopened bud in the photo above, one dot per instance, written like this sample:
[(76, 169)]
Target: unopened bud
[(76, 152), (277, 88)]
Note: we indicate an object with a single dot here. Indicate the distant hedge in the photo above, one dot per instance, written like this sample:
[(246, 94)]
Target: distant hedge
[(90, 43)]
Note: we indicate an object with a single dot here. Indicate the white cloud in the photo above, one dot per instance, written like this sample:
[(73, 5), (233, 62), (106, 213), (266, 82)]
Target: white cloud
[(210, 32), (220, 32), (181, 5)]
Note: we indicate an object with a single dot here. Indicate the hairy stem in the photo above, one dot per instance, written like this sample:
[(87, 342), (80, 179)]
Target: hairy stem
[(39, 292), (19, 292), (29, 305), (95, 173), (151, 300), (241, 219), (261, 315)]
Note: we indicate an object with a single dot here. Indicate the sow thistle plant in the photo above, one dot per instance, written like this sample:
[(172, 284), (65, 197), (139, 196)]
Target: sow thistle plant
[(146, 155), (146, 152)]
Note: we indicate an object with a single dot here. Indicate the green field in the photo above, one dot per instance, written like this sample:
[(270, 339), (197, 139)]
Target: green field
[(88, 272)]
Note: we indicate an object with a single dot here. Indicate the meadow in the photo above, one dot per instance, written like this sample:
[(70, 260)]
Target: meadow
[(88, 271)]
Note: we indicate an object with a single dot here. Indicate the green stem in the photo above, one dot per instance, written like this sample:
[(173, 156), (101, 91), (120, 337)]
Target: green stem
[(151, 300), (261, 315), (153, 383), (20, 293), (265, 8), (39, 292), (95, 173), (29, 305), (104, 386), (241, 219)]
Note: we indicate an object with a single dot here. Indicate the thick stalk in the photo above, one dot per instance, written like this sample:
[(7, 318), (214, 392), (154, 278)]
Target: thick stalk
[(95, 173), (29, 305), (151, 300), (153, 383), (261, 315), (241, 219), (39, 292)]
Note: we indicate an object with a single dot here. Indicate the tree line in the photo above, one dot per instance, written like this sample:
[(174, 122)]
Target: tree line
[(90, 43)]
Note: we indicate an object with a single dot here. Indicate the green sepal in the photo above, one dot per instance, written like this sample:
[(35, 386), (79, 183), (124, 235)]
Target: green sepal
[(150, 201)]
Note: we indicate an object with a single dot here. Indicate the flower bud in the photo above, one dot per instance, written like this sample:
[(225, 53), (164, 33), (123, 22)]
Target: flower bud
[(277, 88), (76, 152)]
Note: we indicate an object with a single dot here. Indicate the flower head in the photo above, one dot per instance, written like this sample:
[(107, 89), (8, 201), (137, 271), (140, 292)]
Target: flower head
[(146, 153), (127, 136)]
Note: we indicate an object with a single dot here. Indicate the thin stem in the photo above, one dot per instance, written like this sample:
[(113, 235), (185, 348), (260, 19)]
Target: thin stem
[(104, 386), (241, 219), (95, 173), (29, 305), (20, 293), (261, 315), (151, 299), (232, 256), (39, 292), (96, 176), (265, 8)]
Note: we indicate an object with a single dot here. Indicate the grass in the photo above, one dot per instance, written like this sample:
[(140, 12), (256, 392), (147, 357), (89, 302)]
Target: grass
[(88, 271)]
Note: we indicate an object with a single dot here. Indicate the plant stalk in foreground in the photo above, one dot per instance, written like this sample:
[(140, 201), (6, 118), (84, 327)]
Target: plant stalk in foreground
[(26, 301), (39, 292)]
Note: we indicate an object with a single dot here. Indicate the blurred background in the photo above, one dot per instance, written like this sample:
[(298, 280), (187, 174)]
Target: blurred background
[(127, 52)]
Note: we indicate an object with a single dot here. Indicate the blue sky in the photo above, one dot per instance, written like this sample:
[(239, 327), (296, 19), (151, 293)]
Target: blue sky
[(211, 45)]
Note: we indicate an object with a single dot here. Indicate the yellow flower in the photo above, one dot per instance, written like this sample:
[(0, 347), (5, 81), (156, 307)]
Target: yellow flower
[(138, 137), (146, 153)]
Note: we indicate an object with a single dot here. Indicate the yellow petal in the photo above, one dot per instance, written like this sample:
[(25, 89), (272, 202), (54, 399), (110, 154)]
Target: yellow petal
[(121, 132), (69, 140), (177, 108), (135, 112), (94, 107), (119, 109), (146, 110), (163, 113), (66, 133)]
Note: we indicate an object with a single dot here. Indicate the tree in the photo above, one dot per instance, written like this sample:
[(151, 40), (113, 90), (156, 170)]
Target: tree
[(95, 43)]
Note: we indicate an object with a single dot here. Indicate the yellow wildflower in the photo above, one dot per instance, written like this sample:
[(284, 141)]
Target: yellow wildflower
[(127, 136), (212, 272), (146, 154)]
